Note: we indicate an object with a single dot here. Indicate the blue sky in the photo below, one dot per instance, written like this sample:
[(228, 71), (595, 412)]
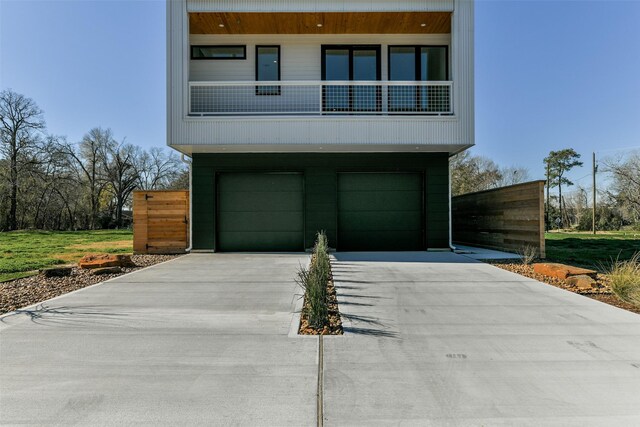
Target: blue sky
[(549, 74)]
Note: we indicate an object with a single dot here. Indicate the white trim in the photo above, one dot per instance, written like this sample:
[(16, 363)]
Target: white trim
[(320, 6), (190, 163)]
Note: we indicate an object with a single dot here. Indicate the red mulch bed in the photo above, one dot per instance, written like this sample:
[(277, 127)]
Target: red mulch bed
[(601, 293)]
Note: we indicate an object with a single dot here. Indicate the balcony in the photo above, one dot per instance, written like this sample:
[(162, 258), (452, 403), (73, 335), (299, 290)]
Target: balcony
[(320, 98)]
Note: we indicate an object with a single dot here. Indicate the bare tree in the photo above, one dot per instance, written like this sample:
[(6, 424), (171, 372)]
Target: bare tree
[(473, 173), (513, 175), (21, 122), (625, 189), (89, 163), (158, 170), (119, 163)]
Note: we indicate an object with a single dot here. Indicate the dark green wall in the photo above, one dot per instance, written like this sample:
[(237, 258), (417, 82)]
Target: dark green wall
[(320, 178)]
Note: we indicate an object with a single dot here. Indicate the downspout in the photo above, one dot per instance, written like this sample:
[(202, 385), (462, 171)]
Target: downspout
[(453, 248), (188, 162)]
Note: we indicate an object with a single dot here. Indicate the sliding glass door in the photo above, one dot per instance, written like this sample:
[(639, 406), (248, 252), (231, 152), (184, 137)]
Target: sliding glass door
[(419, 64), (351, 63), (336, 67)]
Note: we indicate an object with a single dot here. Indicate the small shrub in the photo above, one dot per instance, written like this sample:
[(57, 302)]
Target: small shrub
[(528, 254), (625, 279)]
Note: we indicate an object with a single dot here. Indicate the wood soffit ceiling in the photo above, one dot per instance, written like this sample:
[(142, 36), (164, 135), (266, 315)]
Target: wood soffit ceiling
[(331, 23)]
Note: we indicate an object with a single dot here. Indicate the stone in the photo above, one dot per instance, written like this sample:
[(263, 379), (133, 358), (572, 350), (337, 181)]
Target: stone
[(56, 271), (106, 270), (562, 271), (581, 281), (105, 260)]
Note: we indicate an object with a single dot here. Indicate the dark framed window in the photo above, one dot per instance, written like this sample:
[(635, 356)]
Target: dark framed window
[(351, 63), (417, 63), (219, 52), (267, 69)]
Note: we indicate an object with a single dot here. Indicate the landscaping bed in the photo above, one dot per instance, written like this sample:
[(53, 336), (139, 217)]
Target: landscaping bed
[(334, 322), (601, 291), (19, 293), (320, 314)]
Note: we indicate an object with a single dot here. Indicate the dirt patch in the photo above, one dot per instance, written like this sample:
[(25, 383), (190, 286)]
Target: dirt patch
[(101, 246), (601, 292), (20, 293), (79, 250)]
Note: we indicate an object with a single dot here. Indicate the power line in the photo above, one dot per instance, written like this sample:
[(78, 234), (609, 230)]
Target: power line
[(618, 149)]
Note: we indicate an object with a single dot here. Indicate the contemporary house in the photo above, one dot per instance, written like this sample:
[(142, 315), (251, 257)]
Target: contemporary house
[(307, 115)]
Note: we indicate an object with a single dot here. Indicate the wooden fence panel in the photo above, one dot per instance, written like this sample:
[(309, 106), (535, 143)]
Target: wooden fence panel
[(506, 218), (160, 221)]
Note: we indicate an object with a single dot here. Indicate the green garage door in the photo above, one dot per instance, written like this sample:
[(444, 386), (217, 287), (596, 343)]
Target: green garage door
[(260, 212), (380, 211)]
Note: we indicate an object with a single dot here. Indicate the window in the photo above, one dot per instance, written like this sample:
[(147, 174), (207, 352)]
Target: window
[(267, 69), (417, 63), (218, 52), (351, 63)]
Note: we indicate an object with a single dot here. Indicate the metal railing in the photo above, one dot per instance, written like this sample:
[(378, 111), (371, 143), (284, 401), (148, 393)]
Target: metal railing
[(249, 98)]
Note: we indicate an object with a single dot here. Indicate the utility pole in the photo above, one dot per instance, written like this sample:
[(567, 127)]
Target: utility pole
[(593, 214)]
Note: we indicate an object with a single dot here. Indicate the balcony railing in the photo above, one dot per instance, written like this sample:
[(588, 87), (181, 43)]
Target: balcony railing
[(320, 98)]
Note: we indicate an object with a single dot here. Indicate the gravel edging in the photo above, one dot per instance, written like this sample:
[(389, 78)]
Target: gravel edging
[(20, 293), (602, 293)]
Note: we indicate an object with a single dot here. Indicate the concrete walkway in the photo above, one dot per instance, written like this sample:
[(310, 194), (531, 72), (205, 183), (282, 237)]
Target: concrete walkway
[(201, 340), (441, 339)]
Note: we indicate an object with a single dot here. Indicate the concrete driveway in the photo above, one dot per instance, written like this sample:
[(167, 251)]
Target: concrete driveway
[(201, 340), (440, 339), (431, 339)]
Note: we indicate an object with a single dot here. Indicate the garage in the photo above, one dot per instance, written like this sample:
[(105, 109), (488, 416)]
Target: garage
[(262, 212), (380, 211)]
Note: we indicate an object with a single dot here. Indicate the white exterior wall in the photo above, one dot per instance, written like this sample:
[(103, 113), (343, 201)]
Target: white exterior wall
[(300, 55), (301, 60)]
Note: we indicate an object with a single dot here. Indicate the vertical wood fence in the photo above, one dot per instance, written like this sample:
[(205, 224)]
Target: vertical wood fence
[(507, 218), (160, 222)]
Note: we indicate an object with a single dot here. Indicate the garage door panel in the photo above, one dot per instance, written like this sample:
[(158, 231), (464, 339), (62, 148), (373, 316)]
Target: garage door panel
[(258, 221), (379, 181), (254, 201), (260, 212), (261, 182), (380, 211), (373, 200), (384, 240), (374, 221), (259, 241)]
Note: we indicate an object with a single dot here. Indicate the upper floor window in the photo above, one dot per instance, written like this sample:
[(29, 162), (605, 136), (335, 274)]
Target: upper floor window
[(267, 69), (218, 52), (351, 63), (418, 63)]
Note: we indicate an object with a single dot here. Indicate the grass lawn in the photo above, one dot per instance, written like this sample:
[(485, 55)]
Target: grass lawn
[(22, 252), (592, 251)]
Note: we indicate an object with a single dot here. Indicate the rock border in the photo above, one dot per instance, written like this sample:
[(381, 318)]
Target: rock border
[(24, 292)]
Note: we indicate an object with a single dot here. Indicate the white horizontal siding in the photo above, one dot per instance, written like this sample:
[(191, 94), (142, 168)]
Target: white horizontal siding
[(300, 54), (367, 132), (276, 131), (320, 6)]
